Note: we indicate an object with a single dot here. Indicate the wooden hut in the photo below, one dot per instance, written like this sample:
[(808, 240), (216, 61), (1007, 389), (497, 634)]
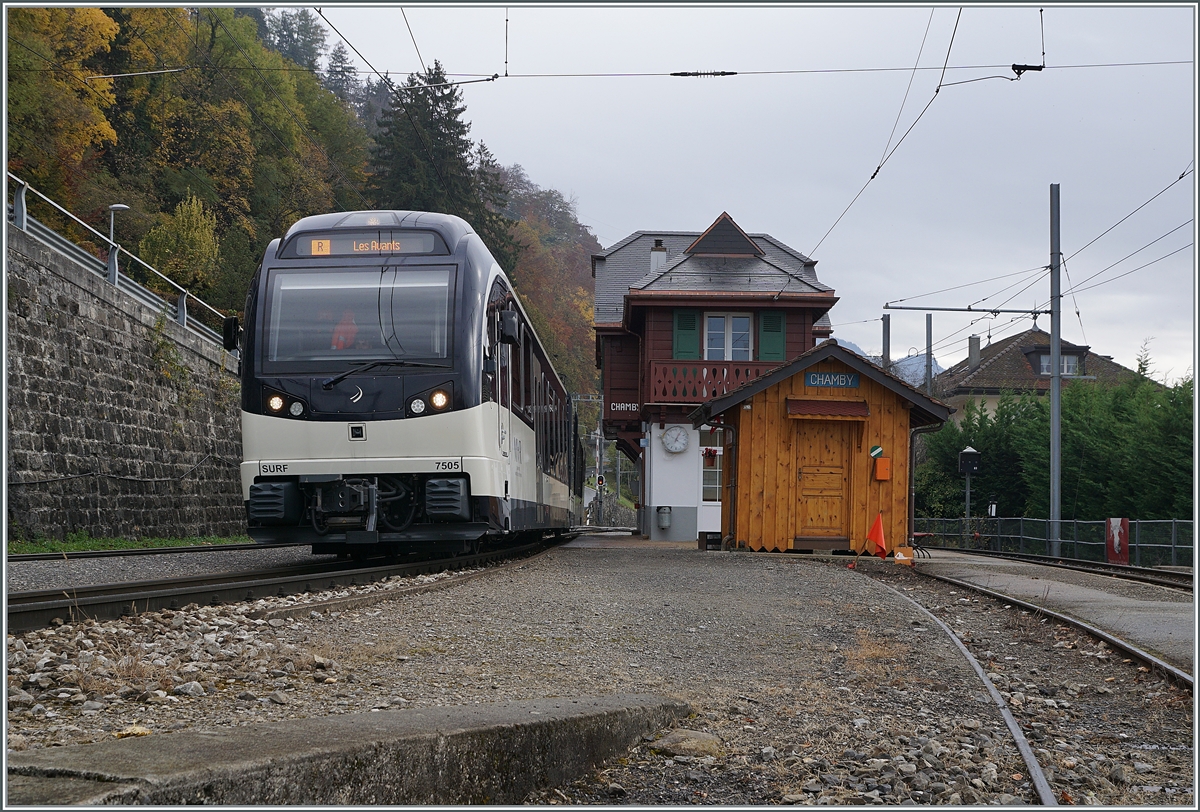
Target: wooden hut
[(816, 450)]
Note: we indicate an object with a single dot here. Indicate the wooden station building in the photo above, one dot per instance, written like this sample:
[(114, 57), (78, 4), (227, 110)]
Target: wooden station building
[(815, 450)]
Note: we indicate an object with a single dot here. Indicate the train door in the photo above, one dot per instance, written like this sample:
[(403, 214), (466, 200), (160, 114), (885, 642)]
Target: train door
[(504, 384), (539, 427), (501, 355)]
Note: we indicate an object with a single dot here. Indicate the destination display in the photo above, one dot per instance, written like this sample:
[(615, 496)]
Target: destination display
[(374, 242)]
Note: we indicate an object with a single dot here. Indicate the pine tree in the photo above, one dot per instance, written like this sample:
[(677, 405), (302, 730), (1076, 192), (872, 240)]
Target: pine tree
[(490, 203), (424, 160), (341, 76), (299, 36)]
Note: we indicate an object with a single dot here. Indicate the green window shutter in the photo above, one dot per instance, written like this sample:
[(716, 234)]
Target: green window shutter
[(771, 345), (687, 335)]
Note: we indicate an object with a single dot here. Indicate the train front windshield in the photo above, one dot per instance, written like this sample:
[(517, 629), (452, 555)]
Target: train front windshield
[(322, 318)]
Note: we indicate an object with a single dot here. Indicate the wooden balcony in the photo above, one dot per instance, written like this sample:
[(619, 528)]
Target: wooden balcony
[(701, 381)]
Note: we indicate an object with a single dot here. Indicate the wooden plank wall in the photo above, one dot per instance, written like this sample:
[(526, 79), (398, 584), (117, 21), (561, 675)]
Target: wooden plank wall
[(767, 488), (622, 370)]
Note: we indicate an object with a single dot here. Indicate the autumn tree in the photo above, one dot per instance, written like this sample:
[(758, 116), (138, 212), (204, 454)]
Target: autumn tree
[(553, 274), (184, 247), (56, 114)]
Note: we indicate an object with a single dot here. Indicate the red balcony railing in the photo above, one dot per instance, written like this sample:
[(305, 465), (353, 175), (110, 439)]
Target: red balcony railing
[(700, 381)]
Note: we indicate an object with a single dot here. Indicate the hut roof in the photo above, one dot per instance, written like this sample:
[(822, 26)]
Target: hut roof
[(926, 410)]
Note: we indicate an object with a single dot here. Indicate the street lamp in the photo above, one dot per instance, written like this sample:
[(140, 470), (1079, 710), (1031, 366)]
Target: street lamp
[(112, 212)]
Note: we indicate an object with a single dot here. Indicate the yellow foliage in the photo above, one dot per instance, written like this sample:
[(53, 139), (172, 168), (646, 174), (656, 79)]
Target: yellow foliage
[(55, 113)]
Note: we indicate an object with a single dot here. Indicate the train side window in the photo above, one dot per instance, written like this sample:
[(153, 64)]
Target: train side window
[(504, 379)]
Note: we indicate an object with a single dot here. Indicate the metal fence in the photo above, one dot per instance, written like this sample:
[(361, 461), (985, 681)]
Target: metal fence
[(1152, 542), (189, 311)]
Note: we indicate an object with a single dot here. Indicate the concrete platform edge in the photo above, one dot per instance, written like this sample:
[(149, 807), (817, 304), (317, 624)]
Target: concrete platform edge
[(472, 754)]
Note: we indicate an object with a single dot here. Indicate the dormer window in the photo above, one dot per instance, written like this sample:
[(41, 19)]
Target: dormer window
[(1070, 364)]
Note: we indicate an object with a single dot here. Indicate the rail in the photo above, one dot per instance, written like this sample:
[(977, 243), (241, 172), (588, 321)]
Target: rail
[(1152, 542), (40, 608), (18, 214)]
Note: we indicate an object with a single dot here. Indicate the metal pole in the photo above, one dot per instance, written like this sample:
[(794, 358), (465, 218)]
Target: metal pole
[(967, 525), (1055, 375), (618, 477), (887, 340), (599, 463), (1174, 556), (929, 353)]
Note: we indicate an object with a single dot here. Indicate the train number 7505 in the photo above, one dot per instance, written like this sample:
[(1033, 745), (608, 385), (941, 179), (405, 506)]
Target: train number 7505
[(447, 465)]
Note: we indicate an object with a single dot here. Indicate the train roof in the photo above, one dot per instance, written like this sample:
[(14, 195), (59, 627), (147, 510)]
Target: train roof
[(451, 228)]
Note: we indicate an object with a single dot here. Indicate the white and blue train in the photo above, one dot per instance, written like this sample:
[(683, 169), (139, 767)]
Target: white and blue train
[(395, 396)]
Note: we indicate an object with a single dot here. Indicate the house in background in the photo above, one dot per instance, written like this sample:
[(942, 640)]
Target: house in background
[(682, 318), (1017, 365)]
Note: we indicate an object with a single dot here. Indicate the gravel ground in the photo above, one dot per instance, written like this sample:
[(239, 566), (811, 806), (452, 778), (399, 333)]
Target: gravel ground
[(22, 576), (811, 683)]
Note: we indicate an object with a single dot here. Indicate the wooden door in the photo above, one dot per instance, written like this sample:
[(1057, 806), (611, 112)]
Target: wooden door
[(823, 470)]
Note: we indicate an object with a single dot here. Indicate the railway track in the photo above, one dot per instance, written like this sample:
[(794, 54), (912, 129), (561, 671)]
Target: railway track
[(41, 608), (1180, 676), (1145, 575), (138, 551)]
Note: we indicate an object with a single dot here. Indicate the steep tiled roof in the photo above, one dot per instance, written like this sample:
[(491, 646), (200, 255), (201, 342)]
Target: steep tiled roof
[(1004, 366), (627, 264), (622, 265), (721, 274)]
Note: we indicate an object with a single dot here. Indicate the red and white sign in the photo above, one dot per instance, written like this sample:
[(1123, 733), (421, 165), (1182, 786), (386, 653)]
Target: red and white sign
[(1116, 541)]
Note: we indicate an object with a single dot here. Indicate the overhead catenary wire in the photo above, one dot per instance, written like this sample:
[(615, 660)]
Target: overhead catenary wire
[(1135, 270), (907, 89), (1182, 175), (943, 343), (898, 143), (970, 284), (1074, 301), (413, 36), (396, 94), (1077, 288)]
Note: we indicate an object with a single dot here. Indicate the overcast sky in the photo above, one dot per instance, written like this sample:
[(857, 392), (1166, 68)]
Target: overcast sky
[(964, 199)]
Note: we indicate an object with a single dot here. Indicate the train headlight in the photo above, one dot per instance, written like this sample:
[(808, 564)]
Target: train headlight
[(416, 406), (296, 409), (439, 399), (275, 403)]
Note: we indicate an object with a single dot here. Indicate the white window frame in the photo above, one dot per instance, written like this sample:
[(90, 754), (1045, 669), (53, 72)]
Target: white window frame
[(728, 337), (720, 467), (1069, 363)]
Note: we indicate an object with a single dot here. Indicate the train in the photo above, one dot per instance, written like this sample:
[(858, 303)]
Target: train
[(395, 397)]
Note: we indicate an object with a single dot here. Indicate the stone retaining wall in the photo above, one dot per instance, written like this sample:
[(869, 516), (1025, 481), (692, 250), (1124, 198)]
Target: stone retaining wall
[(120, 422)]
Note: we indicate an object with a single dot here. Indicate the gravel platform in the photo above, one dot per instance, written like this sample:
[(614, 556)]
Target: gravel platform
[(812, 683)]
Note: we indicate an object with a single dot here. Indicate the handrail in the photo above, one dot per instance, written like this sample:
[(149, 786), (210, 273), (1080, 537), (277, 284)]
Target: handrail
[(21, 217)]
